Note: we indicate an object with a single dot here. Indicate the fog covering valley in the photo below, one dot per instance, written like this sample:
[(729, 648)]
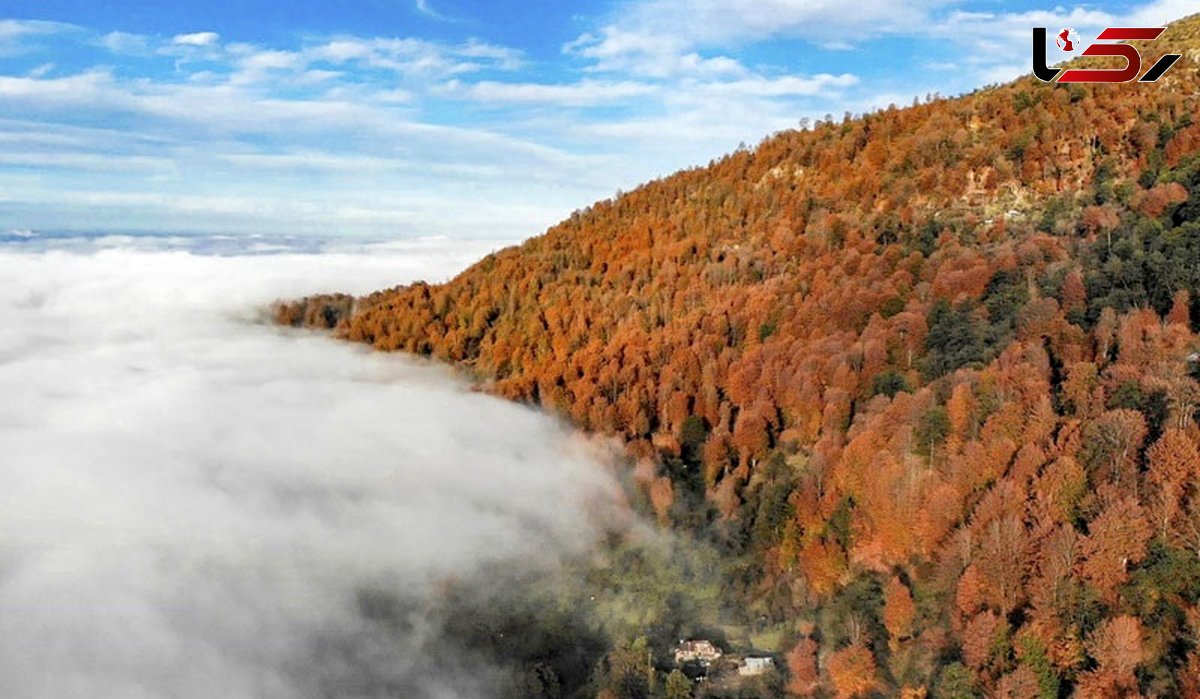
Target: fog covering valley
[(196, 503)]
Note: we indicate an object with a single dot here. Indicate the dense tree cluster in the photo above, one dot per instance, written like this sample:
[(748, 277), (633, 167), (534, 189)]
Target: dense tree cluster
[(932, 370)]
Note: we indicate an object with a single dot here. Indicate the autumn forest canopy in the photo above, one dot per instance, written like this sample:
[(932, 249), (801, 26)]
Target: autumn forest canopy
[(928, 377)]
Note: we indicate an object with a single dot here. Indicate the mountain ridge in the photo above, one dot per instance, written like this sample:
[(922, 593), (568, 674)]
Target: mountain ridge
[(944, 354)]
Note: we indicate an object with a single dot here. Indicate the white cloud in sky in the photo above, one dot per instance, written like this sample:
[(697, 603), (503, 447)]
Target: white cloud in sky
[(40, 71), (426, 8), (1159, 12), (412, 56), (226, 114), (657, 37), (819, 84), (22, 36), (193, 500), (583, 93), (201, 135), (124, 42), (197, 39), (13, 29), (648, 55)]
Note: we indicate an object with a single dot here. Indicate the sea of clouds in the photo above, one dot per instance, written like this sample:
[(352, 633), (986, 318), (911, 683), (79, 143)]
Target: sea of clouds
[(193, 501)]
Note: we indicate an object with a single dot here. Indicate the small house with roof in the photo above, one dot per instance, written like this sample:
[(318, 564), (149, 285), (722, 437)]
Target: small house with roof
[(698, 651)]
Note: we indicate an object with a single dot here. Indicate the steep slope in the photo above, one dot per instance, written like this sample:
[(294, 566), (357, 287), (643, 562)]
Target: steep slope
[(936, 361)]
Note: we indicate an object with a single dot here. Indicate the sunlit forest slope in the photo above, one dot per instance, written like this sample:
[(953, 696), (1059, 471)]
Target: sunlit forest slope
[(941, 358)]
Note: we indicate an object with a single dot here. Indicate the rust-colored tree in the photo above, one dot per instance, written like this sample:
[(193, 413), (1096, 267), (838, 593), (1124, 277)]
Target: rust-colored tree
[(899, 612), (852, 671), (1173, 463), (804, 679), (1116, 646), (1116, 541)]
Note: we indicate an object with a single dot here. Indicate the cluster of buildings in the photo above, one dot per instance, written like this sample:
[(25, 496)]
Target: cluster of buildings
[(701, 659)]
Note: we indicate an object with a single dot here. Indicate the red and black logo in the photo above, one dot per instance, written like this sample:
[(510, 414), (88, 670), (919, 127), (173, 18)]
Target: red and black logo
[(1067, 41)]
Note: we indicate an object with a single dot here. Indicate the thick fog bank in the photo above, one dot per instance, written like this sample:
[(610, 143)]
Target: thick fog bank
[(196, 504)]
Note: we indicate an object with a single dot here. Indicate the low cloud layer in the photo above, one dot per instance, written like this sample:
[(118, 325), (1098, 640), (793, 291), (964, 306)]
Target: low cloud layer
[(194, 504)]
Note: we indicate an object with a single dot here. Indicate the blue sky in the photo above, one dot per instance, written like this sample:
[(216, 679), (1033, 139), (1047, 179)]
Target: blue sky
[(394, 118)]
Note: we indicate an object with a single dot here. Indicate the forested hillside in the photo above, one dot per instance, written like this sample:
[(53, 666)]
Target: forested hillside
[(930, 372)]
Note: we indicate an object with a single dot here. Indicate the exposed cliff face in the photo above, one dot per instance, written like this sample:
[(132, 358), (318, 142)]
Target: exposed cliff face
[(942, 348)]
